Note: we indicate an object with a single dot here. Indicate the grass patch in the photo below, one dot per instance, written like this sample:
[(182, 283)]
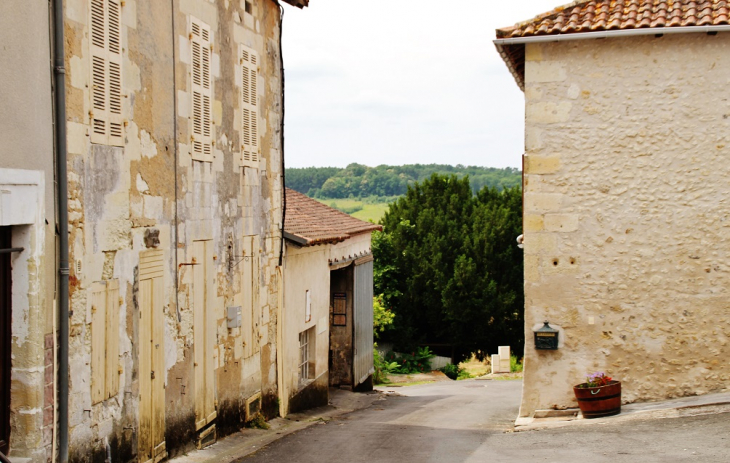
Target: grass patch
[(414, 383), (367, 209), (473, 368), (371, 212)]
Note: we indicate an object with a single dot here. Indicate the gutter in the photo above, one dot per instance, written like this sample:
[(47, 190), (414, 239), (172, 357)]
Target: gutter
[(59, 71), (611, 34)]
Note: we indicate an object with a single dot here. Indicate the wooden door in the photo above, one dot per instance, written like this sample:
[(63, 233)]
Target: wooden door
[(363, 328), (204, 333), (5, 337), (152, 446)]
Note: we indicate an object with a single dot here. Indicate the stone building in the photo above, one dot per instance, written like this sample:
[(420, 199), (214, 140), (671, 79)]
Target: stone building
[(327, 326), (626, 226), (173, 116)]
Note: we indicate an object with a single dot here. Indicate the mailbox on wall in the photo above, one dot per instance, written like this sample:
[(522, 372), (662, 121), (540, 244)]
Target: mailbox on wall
[(546, 338)]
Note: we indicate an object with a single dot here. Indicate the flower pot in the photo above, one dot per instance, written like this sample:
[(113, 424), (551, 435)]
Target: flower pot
[(599, 401)]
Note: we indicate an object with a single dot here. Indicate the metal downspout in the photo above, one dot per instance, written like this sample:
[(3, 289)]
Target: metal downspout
[(281, 134), (59, 72)]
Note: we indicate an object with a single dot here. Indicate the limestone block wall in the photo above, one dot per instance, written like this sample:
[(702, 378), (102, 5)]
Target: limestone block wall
[(627, 232), (152, 183)]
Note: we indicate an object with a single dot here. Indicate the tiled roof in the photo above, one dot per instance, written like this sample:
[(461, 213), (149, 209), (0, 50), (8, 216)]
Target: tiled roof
[(309, 222), (609, 15), (606, 15), (298, 3)]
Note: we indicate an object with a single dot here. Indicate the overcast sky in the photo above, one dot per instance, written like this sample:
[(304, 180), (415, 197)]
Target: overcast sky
[(402, 82)]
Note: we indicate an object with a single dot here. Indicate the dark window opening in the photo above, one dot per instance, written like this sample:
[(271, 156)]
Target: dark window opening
[(249, 8)]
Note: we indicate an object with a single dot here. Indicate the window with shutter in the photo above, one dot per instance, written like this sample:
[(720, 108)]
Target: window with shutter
[(201, 43), (249, 71), (106, 72)]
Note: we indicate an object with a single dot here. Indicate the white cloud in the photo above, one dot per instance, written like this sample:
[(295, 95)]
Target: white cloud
[(402, 82)]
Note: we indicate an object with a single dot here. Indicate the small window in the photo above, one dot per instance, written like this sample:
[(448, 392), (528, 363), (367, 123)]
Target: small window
[(307, 307), (306, 355), (249, 7)]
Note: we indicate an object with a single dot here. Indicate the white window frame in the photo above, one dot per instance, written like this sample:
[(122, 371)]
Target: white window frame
[(306, 354)]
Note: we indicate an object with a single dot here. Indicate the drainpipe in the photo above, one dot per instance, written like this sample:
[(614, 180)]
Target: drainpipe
[(59, 72), (281, 134)]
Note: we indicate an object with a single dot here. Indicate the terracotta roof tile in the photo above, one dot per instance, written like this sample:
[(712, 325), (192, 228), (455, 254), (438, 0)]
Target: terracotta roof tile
[(609, 15), (309, 222), (601, 15)]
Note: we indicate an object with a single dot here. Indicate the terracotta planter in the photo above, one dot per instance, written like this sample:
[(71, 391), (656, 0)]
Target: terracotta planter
[(599, 401)]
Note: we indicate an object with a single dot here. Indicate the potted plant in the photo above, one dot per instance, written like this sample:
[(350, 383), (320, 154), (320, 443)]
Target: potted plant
[(599, 396)]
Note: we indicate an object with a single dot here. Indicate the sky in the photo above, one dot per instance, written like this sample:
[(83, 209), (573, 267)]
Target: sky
[(402, 82)]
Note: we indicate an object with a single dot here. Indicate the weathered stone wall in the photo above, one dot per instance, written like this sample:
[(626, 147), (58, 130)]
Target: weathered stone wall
[(305, 269), (627, 232), (152, 182)]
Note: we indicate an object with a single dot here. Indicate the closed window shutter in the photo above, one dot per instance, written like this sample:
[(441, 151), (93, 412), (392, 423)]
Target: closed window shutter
[(202, 139), (106, 72), (114, 47), (249, 108), (104, 340)]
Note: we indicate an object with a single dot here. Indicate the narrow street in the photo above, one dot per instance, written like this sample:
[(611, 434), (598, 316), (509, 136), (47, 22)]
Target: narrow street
[(471, 421)]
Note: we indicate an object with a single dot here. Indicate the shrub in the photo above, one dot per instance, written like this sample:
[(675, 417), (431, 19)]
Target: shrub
[(418, 361), (382, 367), (515, 364), (451, 370)]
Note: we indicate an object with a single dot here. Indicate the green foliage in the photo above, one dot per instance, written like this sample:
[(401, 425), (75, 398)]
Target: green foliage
[(463, 374), (258, 422), (382, 316), (451, 370), (515, 364), (448, 266), (382, 367), (418, 361), (359, 181)]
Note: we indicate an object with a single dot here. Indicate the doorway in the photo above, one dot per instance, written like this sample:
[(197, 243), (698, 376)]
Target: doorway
[(5, 337), (152, 446)]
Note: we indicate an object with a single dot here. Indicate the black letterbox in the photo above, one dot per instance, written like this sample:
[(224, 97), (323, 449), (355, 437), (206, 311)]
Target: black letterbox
[(546, 338)]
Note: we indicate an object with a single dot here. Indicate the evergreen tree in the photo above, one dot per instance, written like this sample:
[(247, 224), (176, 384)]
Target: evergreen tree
[(448, 266)]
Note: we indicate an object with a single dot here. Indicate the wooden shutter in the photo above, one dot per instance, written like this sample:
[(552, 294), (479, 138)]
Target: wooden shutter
[(204, 332), (249, 107), (106, 72), (104, 340), (151, 297), (98, 341), (202, 121), (250, 287)]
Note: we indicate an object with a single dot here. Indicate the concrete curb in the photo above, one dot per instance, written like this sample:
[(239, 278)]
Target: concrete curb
[(688, 406), (248, 441)]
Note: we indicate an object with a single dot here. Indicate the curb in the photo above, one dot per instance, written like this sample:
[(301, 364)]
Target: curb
[(532, 424)]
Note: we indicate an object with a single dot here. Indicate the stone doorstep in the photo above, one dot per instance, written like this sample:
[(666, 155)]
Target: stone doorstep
[(674, 408)]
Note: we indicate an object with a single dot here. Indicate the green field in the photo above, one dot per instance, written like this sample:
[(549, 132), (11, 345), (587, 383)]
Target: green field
[(358, 208)]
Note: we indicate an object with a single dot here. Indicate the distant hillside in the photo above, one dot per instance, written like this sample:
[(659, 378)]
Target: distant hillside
[(359, 181)]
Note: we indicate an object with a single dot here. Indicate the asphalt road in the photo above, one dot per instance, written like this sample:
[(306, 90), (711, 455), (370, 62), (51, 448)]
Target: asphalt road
[(471, 421)]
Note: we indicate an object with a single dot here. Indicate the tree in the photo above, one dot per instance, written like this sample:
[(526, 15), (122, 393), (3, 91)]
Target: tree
[(447, 265)]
